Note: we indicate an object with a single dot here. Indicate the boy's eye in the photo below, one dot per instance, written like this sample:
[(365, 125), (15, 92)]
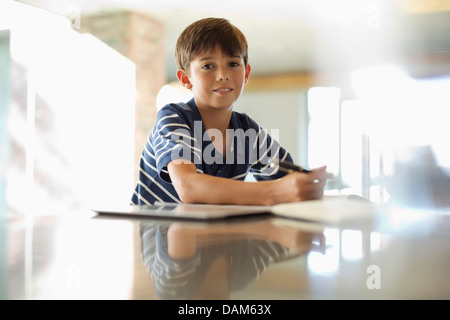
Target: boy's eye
[(234, 64), (207, 66)]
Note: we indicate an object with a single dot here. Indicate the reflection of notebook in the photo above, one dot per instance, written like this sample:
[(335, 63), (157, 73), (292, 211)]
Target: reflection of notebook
[(328, 210)]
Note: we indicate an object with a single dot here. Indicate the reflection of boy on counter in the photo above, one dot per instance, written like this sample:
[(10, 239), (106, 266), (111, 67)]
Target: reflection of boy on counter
[(188, 262), (201, 151)]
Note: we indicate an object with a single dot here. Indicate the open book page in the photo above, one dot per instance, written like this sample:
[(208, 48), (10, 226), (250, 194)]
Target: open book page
[(330, 209)]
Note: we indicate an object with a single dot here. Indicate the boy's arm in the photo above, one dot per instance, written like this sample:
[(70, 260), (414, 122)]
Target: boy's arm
[(193, 187)]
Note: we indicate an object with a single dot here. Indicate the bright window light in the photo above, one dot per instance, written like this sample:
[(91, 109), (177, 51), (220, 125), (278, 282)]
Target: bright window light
[(323, 132), (79, 130)]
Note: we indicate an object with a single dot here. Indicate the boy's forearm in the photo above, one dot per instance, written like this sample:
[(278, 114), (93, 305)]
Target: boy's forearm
[(201, 188), (193, 187)]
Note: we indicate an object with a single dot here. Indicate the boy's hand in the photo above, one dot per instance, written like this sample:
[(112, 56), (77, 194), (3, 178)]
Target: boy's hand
[(300, 186)]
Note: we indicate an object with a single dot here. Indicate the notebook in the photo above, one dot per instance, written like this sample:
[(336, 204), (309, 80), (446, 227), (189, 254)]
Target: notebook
[(186, 211), (330, 209)]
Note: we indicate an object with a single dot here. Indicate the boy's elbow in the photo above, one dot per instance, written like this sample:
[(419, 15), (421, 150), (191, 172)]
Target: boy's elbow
[(186, 192), (186, 197)]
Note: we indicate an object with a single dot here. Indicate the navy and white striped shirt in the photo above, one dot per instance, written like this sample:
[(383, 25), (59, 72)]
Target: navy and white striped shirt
[(179, 134)]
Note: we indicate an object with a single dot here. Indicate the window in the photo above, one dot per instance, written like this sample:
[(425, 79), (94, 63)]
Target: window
[(338, 137), (394, 121)]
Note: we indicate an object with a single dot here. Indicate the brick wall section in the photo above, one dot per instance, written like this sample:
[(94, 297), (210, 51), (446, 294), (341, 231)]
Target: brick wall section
[(140, 38)]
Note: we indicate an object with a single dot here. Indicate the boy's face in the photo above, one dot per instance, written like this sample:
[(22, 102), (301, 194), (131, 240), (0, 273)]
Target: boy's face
[(216, 79)]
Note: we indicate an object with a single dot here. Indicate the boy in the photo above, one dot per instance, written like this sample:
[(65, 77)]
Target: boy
[(201, 151)]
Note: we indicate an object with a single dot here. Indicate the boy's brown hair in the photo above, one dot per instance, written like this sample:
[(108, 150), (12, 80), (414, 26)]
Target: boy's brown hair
[(204, 35)]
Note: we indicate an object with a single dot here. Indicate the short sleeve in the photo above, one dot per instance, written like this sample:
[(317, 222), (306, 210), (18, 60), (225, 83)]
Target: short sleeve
[(174, 138)]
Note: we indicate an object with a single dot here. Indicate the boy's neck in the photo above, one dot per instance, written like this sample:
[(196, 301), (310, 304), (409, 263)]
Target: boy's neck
[(219, 119)]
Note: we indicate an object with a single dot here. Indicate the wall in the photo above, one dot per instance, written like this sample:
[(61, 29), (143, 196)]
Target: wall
[(4, 151), (5, 87), (281, 112)]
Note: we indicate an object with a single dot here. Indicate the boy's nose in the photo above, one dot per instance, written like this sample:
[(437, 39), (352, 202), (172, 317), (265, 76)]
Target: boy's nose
[(222, 75)]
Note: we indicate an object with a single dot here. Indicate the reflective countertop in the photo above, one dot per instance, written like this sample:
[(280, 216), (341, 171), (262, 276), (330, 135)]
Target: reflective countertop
[(403, 254)]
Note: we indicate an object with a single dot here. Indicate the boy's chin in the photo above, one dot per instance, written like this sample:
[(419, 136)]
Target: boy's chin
[(216, 103), (222, 104)]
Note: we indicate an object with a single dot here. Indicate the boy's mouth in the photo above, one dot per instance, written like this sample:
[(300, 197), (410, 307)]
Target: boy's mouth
[(223, 90)]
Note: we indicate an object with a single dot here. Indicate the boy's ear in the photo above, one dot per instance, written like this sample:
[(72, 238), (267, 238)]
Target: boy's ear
[(184, 79), (248, 69)]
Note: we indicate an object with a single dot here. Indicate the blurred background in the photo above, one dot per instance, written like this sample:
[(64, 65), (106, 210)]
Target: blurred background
[(362, 86)]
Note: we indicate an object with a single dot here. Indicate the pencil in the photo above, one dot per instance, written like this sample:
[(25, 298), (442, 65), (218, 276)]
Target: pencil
[(289, 167)]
